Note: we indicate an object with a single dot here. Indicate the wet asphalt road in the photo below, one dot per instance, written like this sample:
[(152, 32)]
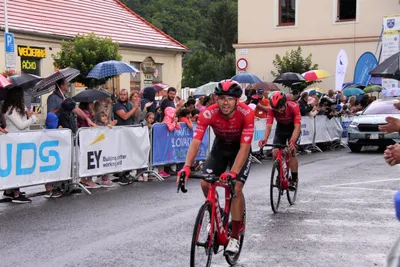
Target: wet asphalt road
[(343, 216)]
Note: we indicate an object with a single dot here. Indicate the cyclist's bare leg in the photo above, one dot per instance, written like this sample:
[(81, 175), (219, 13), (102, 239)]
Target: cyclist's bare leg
[(237, 208), (294, 164), (204, 187)]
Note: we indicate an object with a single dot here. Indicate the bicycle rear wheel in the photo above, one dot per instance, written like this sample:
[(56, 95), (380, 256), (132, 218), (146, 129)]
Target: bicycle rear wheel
[(275, 188), (201, 251), (232, 259)]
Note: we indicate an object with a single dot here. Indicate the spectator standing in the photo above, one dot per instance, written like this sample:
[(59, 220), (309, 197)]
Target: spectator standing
[(262, 106), (123, 113), (169, 102), (149, 95), (17, 120), (305, 108), (59, 95), (140, 113)]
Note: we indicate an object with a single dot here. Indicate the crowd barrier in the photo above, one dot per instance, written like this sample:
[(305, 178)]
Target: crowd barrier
[(48, 156), (35, 157)]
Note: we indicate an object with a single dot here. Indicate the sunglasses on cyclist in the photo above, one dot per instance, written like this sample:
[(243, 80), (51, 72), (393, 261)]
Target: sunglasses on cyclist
[(226, 98)]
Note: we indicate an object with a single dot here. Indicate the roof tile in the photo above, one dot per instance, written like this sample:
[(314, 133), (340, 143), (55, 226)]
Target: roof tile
[(106, 18)]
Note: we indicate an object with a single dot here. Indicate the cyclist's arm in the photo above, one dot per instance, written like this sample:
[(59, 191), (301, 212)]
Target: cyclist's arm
[(270, 121), (192, 152), (245, 143), (198, 135), (297, 123)]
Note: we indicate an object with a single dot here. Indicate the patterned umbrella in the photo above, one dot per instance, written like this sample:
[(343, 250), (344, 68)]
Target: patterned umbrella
[(48, 84), (315, 75), (110, 68), (4, 81), (246, 78), (160, 86)]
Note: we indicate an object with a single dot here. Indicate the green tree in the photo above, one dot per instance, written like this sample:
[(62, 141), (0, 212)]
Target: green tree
[(204, 66), (294, 61), (85, 52), (221, 28)]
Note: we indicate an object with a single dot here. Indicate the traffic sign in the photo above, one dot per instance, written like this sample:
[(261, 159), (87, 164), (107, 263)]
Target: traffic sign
[(242, 64), (9, 41)]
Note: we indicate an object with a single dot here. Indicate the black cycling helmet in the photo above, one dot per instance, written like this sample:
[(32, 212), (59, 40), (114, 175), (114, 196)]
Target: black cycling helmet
[(229, 87), (277, 100)]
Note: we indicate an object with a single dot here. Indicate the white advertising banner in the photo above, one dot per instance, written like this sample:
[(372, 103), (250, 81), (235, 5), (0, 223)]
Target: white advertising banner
[(341, 68), (334, 128), (105, 150), (345, 124), (327, 130), (390, 46), (391, 23), (307, 130), (34, 157), (259, 129)]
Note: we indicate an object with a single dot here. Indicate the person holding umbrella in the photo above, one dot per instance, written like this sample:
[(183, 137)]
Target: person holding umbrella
[(59, 95)]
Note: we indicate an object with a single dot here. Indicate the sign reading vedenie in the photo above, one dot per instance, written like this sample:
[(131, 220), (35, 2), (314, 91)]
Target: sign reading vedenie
[(32, 158), (104, 150), (30, 58)]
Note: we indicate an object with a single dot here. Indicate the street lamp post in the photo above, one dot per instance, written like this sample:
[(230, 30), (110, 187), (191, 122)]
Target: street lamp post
[(5, 17)]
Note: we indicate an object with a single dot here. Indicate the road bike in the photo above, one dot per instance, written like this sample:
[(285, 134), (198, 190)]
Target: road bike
[(280, 178), (215, 222)]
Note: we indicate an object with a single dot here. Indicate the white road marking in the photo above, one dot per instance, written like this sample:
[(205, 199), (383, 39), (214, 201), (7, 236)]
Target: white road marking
[(364, 188), (366, 182)]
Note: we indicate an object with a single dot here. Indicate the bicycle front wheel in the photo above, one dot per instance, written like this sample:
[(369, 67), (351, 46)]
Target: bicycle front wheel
[(275, 187), (201, 250), (291, 195)]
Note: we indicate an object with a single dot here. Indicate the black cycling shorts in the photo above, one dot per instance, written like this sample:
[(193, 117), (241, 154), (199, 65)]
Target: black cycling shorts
[(283, 133), (223, 156)]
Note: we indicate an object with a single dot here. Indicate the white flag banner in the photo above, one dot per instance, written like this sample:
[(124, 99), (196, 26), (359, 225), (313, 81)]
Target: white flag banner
[(105, 150), (35, 157), (341, 68)]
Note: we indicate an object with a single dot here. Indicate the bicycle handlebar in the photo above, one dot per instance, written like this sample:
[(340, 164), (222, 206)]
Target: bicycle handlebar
[(211, 178), (182, 184)]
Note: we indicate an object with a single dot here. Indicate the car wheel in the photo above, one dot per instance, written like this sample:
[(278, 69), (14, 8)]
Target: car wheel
[(355, 148)]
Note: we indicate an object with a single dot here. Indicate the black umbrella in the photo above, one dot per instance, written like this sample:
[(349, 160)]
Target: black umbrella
[(390, 68), (91, 95), (48, 84), (289, 78), (26, 81)]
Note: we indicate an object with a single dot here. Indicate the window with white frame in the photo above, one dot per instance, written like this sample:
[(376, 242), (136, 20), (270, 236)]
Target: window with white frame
[(286, 12), (347, 10)]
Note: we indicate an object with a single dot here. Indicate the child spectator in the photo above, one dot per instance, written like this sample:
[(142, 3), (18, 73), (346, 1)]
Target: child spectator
[(102, 120), (186, 116), (171, 121), (149, 120), (195, 115), (67, 118)]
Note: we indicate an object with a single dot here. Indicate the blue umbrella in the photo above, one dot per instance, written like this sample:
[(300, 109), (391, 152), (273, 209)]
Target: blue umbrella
[(246, 78), (110, 68), (353, 92)]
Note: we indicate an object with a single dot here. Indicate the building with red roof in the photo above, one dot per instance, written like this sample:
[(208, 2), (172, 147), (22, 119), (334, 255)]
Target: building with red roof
[(43, 24)]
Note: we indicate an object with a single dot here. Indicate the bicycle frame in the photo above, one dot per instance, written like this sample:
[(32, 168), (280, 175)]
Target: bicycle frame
[(216, 217), (283, 177)]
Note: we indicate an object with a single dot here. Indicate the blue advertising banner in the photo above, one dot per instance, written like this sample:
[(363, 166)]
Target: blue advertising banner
[(171, 147), (365, 64)]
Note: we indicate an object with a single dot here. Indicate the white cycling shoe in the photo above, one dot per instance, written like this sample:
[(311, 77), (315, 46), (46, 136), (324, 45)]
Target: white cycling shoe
[(233, 246)]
